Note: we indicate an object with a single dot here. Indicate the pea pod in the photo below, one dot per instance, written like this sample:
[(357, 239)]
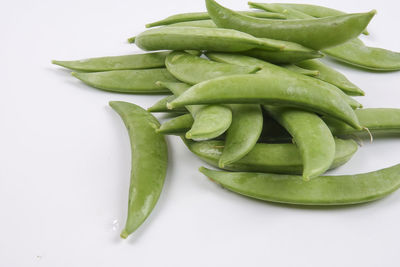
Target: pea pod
[(147, 178), (161, 106), (195, 23), (181, 65), (308, 32), (128, 62), (184, 17), (312, 136), (274, 158), (285, 56), (199, 38), (300, 70), (177, 125), (243, 133), (324, 190), (128, 81)]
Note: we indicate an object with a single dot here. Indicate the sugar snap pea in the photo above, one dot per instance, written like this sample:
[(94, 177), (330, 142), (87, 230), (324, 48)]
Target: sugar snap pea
[(181, 65), (127, 62), (208, 23), (184, 17), (284, 56), (311, 135), (323, 190), (161, 106), (304, 71), (273, 158), (128, 81), (177, 125), (243, 133), (331, 76), (149, 163), (313, 33), (290, 13), (199, 38)]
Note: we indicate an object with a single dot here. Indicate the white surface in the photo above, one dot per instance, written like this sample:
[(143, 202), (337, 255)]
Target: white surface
[(65, 159)]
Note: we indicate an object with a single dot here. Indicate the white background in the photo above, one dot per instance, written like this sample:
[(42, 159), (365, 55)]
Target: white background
[(65, 159)]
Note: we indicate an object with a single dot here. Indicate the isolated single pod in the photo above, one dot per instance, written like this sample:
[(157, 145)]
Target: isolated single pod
[(149, 163), (199, 38), (316, 33), (323, 190), (184, 17), (193, 69), (127, 62), (161, 106), (128, 81), (271, 158), (312, 137)]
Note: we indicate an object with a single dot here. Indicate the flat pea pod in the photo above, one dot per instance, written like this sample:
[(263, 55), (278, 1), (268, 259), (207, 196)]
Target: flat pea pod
[(195, 23), (209, 121), (184, 17), (149, 163), (200, 38), (243, 133), (161, 106), (272, 158), (323, 190), (311, 135), (127, 62), (315, 33), (300, 70), (177, 125), (181, 65), (331, 76), (128, 81), (271, 69)]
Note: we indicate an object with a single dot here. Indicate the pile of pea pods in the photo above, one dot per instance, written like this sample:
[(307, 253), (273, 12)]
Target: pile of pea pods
[(248, 94)]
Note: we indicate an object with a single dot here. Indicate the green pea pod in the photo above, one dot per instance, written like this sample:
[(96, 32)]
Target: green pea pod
[(181, 65), (128, 81), (273, 158), (243, 133), (177, 125), (308, 32), (271, 69), (195, 23), (300, 70), (200, 38), (312, 136), (161, 106), (284, 56), (128, 62), (290, 13), (185, 17), (324, 190), (331, 76), (149, 163)]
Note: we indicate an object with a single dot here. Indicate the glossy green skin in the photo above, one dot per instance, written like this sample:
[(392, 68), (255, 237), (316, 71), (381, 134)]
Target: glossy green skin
[(295, 68), (272, 69), (193, 69), (323, 190), (356, 53), (149, 163), (161, 106), (177, 125), (311, 135), (331, 76), (128, 62), (243, 133), (290, 13), (195, 23), (270, 158), (184, 17), (313, 33), (283, 57), (128, 81), (209, 121), (200, 38)]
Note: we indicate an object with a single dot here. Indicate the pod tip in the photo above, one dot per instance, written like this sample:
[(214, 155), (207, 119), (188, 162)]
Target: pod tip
[(170, 105), (124, 234), (188, 135), (373, 12), (132, 40), (75, 74)]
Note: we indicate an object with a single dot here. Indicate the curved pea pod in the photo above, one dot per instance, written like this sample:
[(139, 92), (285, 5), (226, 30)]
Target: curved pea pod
[(161, 106), (290, 13), (268, 88), (274, 158), (182, 66), (127, 62), (331, 76), (311, 33), (311, 135), (177, 125), (300, 70), (243, 133), (200, 38), (128, 81), (271, 69), (185, 17), (356, 53), (323, 190), (149, 163)]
